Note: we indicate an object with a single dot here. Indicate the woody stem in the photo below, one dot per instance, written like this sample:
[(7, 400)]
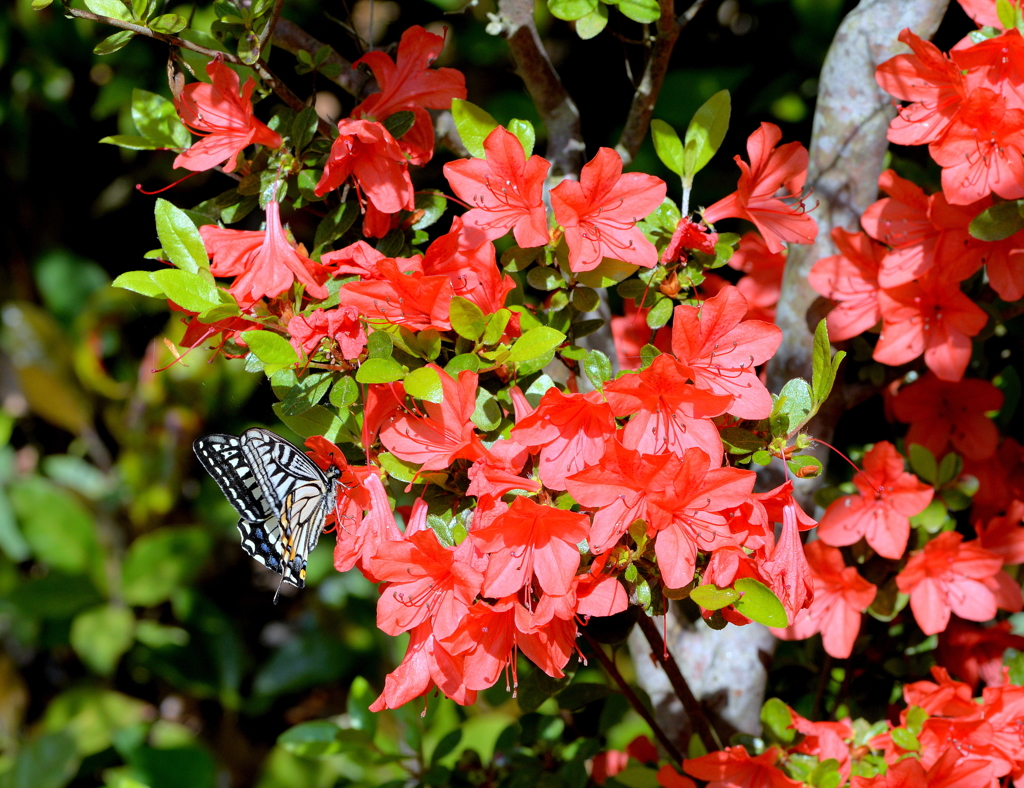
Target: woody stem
[(609, 666), (692, 706)]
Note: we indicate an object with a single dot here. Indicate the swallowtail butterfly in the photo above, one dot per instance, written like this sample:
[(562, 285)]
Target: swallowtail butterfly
[(282, 497)]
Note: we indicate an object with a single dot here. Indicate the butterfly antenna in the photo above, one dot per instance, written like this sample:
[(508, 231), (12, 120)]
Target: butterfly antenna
[(277, 594)]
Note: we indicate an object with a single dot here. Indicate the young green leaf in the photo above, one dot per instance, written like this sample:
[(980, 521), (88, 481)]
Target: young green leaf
[(824, 366), (179, 238), (270, 348), (759, 604), (711, 597), (525, 133), (667, 145), (424, 383), (998, 221), (535, 343), (705, 133), (473, 124), (571, 10)]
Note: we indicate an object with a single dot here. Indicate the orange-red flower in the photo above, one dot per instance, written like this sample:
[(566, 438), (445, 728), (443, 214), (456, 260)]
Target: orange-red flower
[(601, 210), (733, 767), (265, 262), (851, 278), (763, 281), (408, 83), (888, 497), (770, 169), (223, 115)]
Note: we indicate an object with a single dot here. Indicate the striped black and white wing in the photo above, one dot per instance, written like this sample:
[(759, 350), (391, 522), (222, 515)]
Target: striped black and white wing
[(258, 523)]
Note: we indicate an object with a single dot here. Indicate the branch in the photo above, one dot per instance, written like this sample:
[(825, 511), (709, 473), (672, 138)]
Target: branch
[(282, 91), (556, 108), (668, 27), (609, 665), (292, 38), (691, 705), (268, 28)]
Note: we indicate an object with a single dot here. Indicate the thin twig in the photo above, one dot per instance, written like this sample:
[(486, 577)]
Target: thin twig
[(268, 28), (554, 104), (668, 28), (694, 711), (280, 88), (633, 698), (292, 38)]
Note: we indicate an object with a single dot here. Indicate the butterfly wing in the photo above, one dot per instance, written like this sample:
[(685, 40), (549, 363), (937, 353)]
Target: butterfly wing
[(258, 525), (296, 491)]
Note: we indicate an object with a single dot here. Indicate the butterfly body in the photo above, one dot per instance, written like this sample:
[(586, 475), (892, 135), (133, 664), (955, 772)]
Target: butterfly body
[(281, 496)]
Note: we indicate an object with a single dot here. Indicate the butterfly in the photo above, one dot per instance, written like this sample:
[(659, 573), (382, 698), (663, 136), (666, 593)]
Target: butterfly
[(281, 496)]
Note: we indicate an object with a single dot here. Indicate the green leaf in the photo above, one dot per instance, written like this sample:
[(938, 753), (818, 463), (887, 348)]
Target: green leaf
[(39, 5), (424, 383), (777, 719), (462, 362), (804, 466), (303, 128), (949, 468), (248, 48), (467, 318), (473, 124), (535, 343), (380, 344), (114, 9), (608, 272), (314, 739), (307, 393), (711, 597), (399, 469), (998, 221), (318, 420), (932, 518), (667, 145), (705, 133), (433, 204), (131, 142), (446, 746), (593, 23), (923, 463), (179, 238), (642, 11), (740, 441), (59, 529), (580, 694), (345, 392), (660, 313), (598, 368), (360, 697), (496, 325), (545, 278), (905, 740), (93, 716), (12, 542), (101, 635), (188, 290), (379, 370), (1006, 13), (391, 244), (272, 349), (486, 414), (335, 224), (168, 24), (48, 761), (400, 123), (111, 44), (139, 282), (824, 366), (585, 299), (759, 604), (523, 130), (162, 561), (571, 10), (792, 409)]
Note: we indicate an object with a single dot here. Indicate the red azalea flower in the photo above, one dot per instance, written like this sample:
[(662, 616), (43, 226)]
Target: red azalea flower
[(931, 316), (341, 325), (851, 278), (1000, 479), (223, 116), (721, 349), (531, 540), (941, 413), (358, 533), (506, 191), (412, 300), (408, 83), (983, 12), (881, 512), (840, 596), (948, 575), (950, 771), (630, 333), (787, 569), (975, 653), (733, 767), (601, 210), (571, 431), (1004, 536), (264, 262), (689, 235), (930, 80), (983, 150), (943, 697), (444, 433), (763, 281), (426, 665), (669, 412), (367, 151), (471, 267), (769, 170)]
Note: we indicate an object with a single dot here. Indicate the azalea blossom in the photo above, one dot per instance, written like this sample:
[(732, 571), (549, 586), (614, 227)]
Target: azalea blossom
[(975, 653), (950, 575), (264, 262), (734, 767), (341, 326), (366, 151), (763, 271), (408, 83), (888, 497), (505, 191), (600, 213), (840, 596), (943, 414), (755, 200), (415, 301), (721, 350), (223, 116), (851, 279), (427, 664)]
